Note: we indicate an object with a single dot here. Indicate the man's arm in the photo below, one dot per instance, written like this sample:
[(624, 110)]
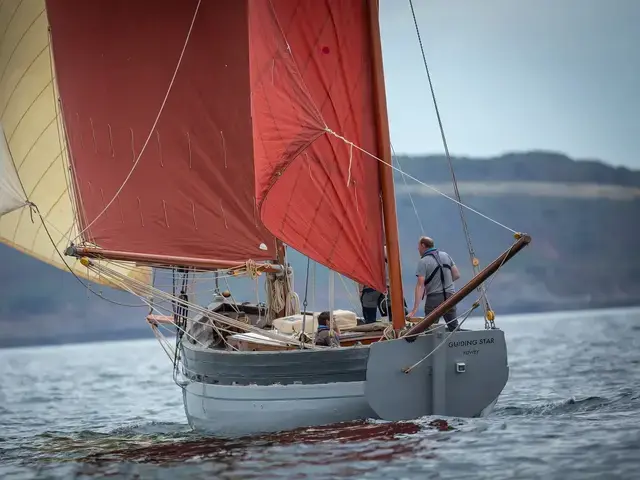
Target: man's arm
[(421, 274), (455, 273), (419, 290)]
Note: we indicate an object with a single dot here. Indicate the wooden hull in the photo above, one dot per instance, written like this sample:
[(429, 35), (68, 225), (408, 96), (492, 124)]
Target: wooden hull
[(231, 393), (229, 411)]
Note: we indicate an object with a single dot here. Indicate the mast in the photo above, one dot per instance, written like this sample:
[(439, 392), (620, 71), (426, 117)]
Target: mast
[(386, 172)]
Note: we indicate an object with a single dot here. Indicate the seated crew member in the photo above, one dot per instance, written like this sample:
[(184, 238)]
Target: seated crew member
[(325, 335)]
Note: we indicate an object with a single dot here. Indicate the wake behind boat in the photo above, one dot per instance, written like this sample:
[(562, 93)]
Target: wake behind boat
[(199, 141)]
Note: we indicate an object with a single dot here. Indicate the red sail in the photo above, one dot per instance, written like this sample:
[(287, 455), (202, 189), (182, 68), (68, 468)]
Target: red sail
[(246, 119), (311, 70), (192, 191)]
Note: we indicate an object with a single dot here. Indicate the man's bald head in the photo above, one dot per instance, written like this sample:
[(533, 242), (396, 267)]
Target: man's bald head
[(425, 244)]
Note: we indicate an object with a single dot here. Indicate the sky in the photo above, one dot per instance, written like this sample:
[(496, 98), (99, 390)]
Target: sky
[(514, 75)]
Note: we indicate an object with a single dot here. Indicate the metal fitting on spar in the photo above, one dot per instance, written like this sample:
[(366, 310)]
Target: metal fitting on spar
[(86, 262)]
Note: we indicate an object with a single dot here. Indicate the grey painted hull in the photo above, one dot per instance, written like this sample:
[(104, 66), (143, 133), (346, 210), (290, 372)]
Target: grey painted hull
[(243, 393)]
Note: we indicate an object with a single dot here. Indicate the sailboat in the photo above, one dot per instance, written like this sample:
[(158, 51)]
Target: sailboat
[(202, 139)]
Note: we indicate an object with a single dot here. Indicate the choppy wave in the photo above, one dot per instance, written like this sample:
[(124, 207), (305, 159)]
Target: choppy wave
[(571, 409), (622, 401)]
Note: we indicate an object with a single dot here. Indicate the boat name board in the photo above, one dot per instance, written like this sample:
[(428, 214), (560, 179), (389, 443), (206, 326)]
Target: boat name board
[(471, 343)]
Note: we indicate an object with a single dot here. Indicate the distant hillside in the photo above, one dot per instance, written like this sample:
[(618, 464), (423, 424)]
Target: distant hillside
[(516, 167), (583, 216)]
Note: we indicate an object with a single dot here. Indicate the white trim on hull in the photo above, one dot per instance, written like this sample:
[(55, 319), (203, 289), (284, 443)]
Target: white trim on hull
[(230, 411), (233, 411)]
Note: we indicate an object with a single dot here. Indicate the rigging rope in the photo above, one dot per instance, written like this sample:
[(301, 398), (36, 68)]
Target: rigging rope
[(430, 187), (354, 304), (332, 292), (142, 289), (180, 314), (472, 256), (304, 304), (437, 347), (252, 269), (276, 299), (34, 208), (404, 179), (313, 285)]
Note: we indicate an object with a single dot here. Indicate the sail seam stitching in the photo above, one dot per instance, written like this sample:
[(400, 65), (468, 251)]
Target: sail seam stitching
[(153, 127), (24, 34)]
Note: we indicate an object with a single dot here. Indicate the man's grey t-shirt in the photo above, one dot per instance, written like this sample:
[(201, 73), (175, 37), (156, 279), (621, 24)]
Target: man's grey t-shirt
[(426, 266)]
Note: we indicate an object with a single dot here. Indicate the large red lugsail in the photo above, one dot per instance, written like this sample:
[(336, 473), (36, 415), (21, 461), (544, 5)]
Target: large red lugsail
[(192, 192), (247, 120), (311, 71)]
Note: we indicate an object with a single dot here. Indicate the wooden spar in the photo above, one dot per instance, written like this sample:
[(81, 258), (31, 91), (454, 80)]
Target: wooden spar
[(151, 259), (475, 282), (386, 172)]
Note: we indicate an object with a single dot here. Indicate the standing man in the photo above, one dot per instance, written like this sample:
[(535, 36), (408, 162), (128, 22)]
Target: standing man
[(370, 299), (436, 272)]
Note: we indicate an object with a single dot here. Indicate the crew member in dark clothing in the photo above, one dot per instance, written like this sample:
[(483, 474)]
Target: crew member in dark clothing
[(436, 273), (372, 300), (324, 335), (369, 299)]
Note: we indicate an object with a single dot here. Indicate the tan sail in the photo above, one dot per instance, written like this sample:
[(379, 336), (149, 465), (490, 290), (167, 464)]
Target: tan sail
[(30, 119)]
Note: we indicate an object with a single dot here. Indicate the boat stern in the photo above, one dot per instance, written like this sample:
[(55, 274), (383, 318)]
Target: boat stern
[(457, 374)]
